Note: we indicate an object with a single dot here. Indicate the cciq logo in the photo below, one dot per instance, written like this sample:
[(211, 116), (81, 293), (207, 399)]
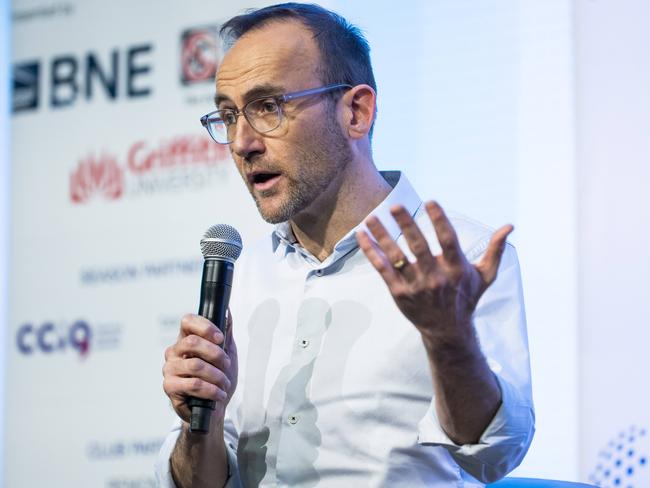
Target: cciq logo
[(50, 338)]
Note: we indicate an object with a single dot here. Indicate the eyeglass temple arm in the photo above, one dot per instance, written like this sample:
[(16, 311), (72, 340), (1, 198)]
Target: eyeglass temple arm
[(313, 91)]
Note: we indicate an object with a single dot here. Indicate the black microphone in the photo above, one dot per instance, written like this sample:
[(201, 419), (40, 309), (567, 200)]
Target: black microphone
[(221, 246)]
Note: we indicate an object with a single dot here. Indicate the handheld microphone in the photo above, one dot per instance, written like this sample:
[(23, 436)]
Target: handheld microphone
[(221, 246)]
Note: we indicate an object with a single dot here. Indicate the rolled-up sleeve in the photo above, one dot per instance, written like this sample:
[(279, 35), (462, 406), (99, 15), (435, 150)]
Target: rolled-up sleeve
[(163, 469), (500, 324)]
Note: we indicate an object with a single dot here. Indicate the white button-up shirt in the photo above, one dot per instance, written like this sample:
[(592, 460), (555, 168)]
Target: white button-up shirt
[(334, 382)]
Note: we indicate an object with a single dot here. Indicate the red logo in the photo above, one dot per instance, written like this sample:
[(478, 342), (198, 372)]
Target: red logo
[(178, 162), (101, 176), (199, 55), (180, 151)]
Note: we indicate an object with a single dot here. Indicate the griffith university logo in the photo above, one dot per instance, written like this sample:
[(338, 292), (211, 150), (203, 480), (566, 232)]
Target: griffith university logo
[(200, 51), (176, 164)]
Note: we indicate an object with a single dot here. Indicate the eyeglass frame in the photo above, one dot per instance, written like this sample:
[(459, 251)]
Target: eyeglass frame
[(279, 99)]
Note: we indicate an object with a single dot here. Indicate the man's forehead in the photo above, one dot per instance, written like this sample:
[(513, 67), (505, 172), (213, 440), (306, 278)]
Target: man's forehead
[(275, 53)]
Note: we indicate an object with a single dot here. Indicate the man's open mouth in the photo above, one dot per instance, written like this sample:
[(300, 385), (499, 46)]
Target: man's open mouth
[(263, 180)]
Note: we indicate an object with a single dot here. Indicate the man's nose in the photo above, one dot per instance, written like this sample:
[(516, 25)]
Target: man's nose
[(246, 140)]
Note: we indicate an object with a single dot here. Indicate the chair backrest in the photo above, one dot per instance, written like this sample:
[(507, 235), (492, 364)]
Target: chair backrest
[(536, 483)]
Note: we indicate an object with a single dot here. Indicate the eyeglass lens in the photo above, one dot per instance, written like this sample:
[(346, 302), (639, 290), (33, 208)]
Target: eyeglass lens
[(263, 115)]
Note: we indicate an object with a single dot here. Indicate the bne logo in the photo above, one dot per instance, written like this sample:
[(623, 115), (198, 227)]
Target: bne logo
[(49, 338), (119, 74)]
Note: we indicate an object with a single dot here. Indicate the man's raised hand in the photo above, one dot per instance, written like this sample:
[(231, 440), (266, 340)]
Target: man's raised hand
[(437, 293)]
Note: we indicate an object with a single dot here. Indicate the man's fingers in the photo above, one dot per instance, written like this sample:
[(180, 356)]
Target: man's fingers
[(376, 257), (489, 264), (414, 238), (197, 368), (176, 386), (198, 347), (229, 341), (446, 234), (196, 365), (192, 324), (384, 240)]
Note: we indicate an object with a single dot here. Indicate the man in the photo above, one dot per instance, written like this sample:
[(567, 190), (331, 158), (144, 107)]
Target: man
[(375, 346)]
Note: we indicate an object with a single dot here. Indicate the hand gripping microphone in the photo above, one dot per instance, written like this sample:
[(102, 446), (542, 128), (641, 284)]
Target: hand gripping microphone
[(221, 246)]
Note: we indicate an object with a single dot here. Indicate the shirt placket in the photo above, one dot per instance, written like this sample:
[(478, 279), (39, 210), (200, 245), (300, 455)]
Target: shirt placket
[(299, 435)]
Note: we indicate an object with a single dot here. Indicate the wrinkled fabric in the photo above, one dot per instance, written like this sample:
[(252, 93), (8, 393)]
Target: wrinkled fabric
[(334, 383)]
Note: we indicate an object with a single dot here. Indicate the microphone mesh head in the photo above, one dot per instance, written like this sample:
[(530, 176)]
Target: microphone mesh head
[(221, 241)]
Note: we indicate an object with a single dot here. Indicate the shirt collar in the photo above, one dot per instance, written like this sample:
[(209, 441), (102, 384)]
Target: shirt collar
[(402, 193)]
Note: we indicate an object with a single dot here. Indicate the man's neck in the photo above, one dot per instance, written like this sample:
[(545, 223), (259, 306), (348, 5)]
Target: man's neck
[(321, 226)]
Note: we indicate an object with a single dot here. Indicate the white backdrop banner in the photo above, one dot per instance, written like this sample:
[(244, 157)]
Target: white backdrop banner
[(114, 183), (613, 72)]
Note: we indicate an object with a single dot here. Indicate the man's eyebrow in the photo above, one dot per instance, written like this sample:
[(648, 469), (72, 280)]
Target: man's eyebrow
[(258, 91), (218, 98)]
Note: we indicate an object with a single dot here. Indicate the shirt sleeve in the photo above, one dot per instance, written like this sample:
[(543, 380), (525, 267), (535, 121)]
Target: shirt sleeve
[(163, 469), (500, 324)]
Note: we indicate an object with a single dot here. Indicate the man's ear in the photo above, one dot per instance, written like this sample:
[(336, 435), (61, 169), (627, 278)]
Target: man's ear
[(359, 110)]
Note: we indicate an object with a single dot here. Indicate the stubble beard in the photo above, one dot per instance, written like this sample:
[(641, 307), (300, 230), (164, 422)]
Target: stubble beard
[(327, 156)]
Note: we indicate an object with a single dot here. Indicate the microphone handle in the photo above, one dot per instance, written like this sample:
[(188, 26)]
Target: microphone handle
[(213, 303)]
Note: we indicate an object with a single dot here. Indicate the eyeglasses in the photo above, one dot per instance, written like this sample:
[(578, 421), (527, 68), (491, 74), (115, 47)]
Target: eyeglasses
[(263, 114)]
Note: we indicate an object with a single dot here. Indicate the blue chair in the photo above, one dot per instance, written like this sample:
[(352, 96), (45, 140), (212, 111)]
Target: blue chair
[(536, 483)]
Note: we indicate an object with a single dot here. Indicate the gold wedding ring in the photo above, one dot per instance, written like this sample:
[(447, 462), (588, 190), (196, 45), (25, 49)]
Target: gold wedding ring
[(399, 264)]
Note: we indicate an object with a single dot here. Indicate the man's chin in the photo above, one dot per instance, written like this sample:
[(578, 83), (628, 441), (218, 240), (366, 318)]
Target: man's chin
[(271, 213), (273, 218)]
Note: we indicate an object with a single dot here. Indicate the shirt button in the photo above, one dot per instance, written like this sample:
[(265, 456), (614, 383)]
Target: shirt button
[(319, 272), (293, 419), (304, 342)]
